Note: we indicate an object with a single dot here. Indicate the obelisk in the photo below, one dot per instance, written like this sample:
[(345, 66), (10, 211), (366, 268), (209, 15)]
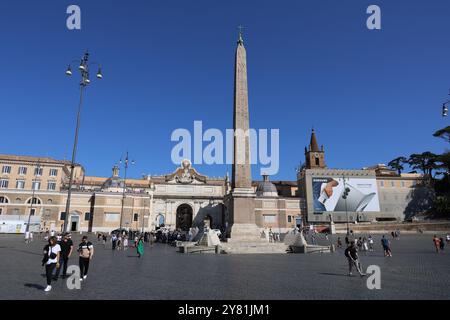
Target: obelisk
[(242, 202)]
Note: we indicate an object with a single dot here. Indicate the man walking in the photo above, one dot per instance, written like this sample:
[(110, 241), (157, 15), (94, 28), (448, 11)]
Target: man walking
[(66, 251), (386, 247), (86, 251), (437, 243), (353, 259)]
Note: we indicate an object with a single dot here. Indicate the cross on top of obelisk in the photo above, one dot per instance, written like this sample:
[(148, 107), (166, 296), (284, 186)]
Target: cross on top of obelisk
[(240, 40)]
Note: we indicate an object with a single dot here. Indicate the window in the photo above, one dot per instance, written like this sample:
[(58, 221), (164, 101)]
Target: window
[(36, 185), (289, 218), (136, 217), (53, 172), (112, 216), (1, 210), (32, 211), (3, 200), (317, 162), (270, 218), (62, 216), (49, 201), (51, 185), (6, 169), (20, 184), (35, 201), (38, 171), (22, 171), (3, 183), (87, 216)]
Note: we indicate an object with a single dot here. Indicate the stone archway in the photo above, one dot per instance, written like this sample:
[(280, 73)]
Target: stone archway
[(184, 217)]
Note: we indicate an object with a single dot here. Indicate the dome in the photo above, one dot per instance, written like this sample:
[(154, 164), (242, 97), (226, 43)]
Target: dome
[(266, 188)]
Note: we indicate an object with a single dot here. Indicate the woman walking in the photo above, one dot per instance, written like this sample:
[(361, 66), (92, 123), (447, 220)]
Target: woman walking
[(140, 247), (51, 260)]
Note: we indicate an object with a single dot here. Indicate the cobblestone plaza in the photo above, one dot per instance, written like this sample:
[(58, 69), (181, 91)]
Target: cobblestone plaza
[(414, 272)]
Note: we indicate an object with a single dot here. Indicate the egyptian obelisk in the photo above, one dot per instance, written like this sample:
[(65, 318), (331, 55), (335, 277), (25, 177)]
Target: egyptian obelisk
[(242, 202)]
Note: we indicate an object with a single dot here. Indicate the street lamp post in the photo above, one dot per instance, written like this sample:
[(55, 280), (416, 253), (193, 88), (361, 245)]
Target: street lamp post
[(38, 166), (346, 191), (84, 72), (123, 189)]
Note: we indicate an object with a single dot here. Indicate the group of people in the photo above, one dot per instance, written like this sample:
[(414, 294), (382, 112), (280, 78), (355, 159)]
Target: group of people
[(57, 254)]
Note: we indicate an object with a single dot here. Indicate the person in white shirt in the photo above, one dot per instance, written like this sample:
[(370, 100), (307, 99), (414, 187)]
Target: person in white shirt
[(51, 260), (27, 237)]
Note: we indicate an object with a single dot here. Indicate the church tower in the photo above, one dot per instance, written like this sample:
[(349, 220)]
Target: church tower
[(314, 156)]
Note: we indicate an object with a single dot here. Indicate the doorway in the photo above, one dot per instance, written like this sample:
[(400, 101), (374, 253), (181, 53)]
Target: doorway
[(74, 221), (184, 217)]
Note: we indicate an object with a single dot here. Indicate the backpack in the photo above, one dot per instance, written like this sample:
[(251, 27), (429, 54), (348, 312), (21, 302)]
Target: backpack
[(346, 253)]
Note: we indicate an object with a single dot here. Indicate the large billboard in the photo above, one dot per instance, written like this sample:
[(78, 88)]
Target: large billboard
[(328, 195)]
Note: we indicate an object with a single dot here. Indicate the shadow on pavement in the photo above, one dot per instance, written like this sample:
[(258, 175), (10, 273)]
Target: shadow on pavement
[(334, 274), (35, 286)]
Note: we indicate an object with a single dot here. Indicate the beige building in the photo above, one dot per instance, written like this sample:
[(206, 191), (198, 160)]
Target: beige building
[(181, 199)]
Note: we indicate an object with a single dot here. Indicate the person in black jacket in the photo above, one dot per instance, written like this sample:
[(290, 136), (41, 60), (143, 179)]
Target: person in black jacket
[(66, 245), (353, 259)]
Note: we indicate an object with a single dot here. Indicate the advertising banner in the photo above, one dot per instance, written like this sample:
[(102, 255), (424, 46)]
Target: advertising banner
[(328, 192)]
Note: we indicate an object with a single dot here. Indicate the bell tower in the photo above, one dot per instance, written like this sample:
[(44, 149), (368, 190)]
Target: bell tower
[(314, 156)]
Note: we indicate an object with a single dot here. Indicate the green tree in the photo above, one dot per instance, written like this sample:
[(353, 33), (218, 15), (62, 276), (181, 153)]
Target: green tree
[(397, 164), (425, 162), (443, 134)]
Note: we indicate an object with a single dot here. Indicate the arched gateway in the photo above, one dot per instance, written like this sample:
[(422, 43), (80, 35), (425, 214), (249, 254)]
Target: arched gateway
[(184, 217)]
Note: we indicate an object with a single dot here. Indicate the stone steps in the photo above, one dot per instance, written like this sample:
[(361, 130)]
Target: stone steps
[(254, 248)]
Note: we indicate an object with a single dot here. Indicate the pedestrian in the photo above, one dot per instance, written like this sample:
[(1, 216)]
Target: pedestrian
[(31, 236), (353, 260), (140, 247), (66, 245), (370, 239), (270, 235), (326, 235), (27, 237), (125, 243), (448, 238), (386, 247), (347, 241), (104, 240), (393, 235), (441, 244), (51, 260), (364, 244), (86, 251), (437, 243), (135, 241), (119, 242), (339, 242), (114, 241), (359, 244)]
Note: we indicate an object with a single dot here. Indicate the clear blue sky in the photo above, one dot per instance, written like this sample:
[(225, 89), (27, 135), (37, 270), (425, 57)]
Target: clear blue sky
[(370, 95)]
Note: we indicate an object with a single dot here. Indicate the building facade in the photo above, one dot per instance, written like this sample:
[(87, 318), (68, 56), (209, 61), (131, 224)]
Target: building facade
[(178, 200)]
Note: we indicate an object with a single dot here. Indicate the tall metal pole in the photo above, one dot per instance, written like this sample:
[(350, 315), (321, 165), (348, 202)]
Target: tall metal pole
[(346, 211), (123, 193), (32, 198), (74, 153)]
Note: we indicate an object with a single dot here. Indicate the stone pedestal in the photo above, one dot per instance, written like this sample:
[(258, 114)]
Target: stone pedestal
[(332, 228), (243, 226)]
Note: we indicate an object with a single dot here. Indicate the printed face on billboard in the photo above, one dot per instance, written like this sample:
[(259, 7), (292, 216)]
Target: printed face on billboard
[(328, 195)]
